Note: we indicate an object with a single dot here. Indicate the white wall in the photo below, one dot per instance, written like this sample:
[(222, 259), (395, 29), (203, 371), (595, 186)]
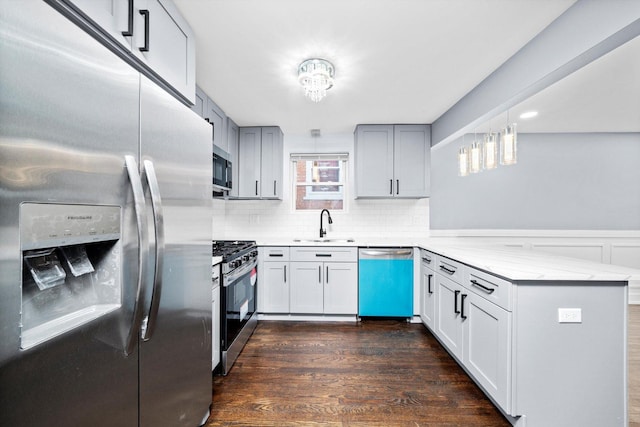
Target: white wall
[(259, 219)]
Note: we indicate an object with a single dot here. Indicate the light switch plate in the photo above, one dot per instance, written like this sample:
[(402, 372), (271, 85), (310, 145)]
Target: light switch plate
[(570, 315)]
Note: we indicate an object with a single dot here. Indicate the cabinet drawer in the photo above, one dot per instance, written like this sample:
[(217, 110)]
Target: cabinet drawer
[(489, 287), (333, 254), (428, 259), (450, 269), (274, 253)]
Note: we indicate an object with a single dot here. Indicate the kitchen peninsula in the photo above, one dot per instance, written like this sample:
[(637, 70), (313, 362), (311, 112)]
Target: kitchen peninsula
[(543, 336)]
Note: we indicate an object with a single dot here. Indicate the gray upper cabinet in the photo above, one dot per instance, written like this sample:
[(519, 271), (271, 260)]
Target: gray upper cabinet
[(233, 135), (218, 120), (200, 104), (260, 151), (153, 32), (392, 161), (249, 162), (111, 17), (271, 163), (374, 161), (209, 110)]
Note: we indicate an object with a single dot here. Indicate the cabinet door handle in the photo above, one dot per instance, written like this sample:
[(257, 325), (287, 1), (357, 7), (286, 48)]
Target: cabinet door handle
[(426, 260), (327, 276), (397, 187), (274, 187), (447, 270), (319, 274), (129, 31), (285, 274), (455, 302), (391, 187), (323, 255), (145, 13), (276, 255), (256, 187), (429, 283), (481, 286), (462, 298)]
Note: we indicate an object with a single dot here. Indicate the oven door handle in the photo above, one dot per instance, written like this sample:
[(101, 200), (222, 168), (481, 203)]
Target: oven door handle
[(231, 277)]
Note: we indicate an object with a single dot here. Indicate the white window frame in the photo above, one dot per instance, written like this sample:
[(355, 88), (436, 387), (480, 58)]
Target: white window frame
[(317, 195)]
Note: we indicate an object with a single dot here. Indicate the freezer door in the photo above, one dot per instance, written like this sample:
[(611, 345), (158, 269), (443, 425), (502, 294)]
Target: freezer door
[(68, 116), (175, 360)]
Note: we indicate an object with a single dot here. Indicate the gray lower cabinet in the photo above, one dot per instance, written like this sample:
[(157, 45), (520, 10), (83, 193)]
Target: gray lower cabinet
[(392, 161), (298, 280), (538, 368), (324, 288), (486, 349), (475, 330), (307, 289), (260, 162), (273, 285), (215, 331), (340, 288), (152, 31), (448, 320), (428, 295)]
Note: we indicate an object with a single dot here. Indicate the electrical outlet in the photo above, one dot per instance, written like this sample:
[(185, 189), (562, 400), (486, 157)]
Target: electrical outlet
[(569, 315)]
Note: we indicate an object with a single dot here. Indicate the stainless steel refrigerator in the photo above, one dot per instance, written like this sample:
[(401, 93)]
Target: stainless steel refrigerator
[(105, 235)]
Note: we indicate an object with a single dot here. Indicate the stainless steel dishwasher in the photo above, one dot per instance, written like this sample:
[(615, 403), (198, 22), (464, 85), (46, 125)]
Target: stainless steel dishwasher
[(385, 282)]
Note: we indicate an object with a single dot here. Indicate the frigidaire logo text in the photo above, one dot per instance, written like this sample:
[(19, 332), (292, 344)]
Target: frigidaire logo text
[(79, 217)]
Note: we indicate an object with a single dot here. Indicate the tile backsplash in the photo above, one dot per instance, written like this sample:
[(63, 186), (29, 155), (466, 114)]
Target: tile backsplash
[(362, 218), (273, 219)]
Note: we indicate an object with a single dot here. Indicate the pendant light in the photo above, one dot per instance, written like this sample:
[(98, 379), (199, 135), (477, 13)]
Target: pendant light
[(509, 145), (490, 150), (475, 157), (463, 161)]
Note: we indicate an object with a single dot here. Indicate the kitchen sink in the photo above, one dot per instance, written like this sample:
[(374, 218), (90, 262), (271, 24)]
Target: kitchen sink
[(324, 240)]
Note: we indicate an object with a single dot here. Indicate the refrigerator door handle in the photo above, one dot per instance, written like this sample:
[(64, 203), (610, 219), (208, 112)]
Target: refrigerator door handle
[(143, 250), (158, 220)]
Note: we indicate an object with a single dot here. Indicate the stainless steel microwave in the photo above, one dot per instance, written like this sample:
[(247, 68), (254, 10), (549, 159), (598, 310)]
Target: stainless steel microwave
[(221, 170)]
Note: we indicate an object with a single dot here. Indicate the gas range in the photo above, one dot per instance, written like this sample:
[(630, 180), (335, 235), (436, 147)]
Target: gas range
[(237, 296), (234, 253)]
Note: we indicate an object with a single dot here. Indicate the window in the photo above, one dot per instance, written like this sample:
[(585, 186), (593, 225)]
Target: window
[(319, 181)]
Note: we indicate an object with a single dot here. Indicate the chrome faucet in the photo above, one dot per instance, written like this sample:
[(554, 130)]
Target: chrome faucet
[(323, 232)]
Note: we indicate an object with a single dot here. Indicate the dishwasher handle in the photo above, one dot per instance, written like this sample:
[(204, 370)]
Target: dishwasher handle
[(389, 253)]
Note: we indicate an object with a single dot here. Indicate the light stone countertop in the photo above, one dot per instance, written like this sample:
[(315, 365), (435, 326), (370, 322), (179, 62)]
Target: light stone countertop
[(513, 264)]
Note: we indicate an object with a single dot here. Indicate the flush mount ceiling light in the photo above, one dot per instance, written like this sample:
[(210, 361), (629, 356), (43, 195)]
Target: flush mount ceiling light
[(316, 76), (528, 115)]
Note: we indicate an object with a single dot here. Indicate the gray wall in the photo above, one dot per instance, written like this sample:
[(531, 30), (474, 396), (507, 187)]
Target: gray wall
[(577, 181)]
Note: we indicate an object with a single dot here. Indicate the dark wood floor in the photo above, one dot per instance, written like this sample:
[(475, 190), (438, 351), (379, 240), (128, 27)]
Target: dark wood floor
[(374, 373)]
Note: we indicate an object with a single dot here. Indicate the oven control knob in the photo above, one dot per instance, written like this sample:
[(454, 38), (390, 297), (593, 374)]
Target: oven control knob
[(245, 258)]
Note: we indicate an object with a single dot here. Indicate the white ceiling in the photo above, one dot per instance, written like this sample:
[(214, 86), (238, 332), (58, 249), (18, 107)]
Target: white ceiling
[(603, 96), (397, 61)]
